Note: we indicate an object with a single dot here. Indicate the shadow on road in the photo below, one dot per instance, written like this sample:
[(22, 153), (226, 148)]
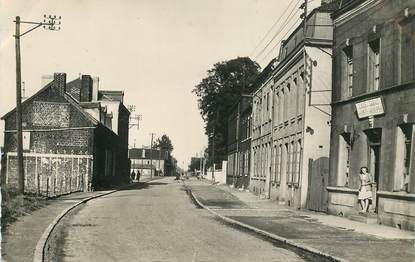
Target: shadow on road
[(143, 185)]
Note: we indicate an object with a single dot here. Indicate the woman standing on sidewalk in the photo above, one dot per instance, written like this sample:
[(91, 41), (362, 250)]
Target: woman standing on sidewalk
[(365, 190)]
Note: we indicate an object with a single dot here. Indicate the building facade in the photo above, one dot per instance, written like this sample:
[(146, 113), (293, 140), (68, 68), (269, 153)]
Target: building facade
[(71, 140), (149, 161), (239, 144), (261, 133), (301, 114), (373, 102)]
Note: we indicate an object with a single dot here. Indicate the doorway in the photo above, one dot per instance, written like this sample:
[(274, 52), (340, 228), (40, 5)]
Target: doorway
[(374, 138)]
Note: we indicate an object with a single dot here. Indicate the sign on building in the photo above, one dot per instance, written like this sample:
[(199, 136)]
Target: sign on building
[(370, 107)]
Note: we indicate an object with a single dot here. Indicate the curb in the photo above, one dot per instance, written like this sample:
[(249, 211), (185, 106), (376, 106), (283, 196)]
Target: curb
[(41, 243), (265, 233)]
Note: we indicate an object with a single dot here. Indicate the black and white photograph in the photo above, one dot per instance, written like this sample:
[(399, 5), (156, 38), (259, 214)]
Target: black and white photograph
[(207, 131)]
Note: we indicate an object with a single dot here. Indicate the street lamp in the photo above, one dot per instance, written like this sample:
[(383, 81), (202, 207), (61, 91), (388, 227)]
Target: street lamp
[(51, 23)]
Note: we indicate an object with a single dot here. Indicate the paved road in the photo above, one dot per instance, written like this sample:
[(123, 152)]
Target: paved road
[(156, 221)]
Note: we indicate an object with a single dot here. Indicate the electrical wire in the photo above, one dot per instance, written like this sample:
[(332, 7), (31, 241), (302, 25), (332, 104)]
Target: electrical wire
[(271, 28), (279, 41), (287, 20)]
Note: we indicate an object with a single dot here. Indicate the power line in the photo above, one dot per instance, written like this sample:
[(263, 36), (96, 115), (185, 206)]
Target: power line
[(287, 20), (271, 28), (278, 43)]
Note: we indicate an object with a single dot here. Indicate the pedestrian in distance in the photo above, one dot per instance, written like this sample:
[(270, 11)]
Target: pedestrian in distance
[(132, 177), (365, 189), (138, 175)]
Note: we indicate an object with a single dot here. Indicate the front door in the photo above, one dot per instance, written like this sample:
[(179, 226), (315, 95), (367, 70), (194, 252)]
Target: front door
[(374, 142)]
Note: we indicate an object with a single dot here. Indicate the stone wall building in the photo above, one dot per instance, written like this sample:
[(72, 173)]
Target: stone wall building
[(75, 137), (291, 117), (373, 109), (261, 136), (239, 144), (301, 95)]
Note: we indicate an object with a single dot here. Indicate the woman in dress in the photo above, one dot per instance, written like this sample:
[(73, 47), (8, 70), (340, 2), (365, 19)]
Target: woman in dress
[(365, 190)]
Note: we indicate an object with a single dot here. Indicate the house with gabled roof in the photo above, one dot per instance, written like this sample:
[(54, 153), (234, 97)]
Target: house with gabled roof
[(75, 138)]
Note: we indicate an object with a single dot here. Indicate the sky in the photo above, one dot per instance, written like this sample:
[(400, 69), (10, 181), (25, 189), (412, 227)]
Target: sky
[(156, 51)]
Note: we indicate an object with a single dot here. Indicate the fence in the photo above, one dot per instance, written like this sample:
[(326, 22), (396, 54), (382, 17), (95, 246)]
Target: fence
[(51, 174)]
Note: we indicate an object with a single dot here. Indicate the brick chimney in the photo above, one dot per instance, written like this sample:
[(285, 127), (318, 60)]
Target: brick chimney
[(59, 83), (86, 88)]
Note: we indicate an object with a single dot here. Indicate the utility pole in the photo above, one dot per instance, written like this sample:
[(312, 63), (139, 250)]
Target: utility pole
[(213, 155), (20, 170), (304, 17), (151, 155), (51, 24), (200, 163)]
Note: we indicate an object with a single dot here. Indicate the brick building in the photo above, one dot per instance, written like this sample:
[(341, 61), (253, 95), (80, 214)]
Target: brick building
[(373, 109), (75, 137), (239, 144)]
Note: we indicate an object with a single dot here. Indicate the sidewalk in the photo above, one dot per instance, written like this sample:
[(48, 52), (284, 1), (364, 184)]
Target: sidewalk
[(19, 241), (336, 236)]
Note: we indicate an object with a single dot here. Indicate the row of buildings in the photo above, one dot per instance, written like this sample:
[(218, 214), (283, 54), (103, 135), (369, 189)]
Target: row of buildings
[(339, 96), (152, 162), (75, 138)]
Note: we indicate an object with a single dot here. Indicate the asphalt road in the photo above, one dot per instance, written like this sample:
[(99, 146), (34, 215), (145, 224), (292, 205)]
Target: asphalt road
[(156, 221)]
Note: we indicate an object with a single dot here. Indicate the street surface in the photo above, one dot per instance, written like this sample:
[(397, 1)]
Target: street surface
[(156, 221)]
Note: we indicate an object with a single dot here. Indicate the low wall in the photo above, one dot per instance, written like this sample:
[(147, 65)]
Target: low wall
[(50, 174)]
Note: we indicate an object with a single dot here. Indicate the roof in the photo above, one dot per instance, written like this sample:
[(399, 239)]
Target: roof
[(137, 153), (344, 6), (72, 101), (111, 95), (27, 100)]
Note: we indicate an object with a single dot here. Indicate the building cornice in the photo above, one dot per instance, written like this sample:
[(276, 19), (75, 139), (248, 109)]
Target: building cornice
[(359, 9)]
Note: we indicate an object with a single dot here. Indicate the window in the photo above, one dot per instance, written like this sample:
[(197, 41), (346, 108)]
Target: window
[(290, 162), (403, 157), (296, 166), (277, 163), (267, 102), (344, 160), (255, 162), (241, 164), (407, 51), (277, 105), (348, 66), (374, 65)]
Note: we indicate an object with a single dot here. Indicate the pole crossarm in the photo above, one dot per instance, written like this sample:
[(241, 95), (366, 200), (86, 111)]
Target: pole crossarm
[(30, 30)]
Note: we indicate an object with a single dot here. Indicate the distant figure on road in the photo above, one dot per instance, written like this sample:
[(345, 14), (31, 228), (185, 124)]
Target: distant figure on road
[(138, 175), (132, 177)]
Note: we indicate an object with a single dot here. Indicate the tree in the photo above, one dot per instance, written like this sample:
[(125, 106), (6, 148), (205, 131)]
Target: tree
[(164, 142), (217, 93)]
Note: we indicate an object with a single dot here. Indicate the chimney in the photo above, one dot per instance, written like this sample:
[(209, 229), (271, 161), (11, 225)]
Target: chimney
[(59, 83), (86, 88), (95, 88)]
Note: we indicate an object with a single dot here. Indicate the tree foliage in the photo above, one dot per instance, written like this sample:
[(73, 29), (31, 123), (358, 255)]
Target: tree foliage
[(218, 92), (164, 142)]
